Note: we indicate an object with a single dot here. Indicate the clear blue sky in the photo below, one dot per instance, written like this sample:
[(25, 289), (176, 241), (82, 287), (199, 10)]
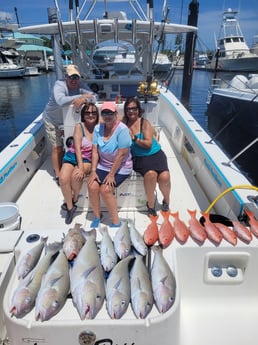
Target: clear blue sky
[(32, 12)]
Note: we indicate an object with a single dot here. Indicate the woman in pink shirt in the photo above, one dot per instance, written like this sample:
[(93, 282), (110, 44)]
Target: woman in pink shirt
[(77, 160)]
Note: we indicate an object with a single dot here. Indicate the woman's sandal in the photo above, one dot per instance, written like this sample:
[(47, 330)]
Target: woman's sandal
[(64, 205)]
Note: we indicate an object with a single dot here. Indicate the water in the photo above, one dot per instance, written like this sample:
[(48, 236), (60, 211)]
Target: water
[(24, 99), (21, 101)]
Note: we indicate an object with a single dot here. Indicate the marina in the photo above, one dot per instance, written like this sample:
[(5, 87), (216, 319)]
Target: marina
[(200, 274)]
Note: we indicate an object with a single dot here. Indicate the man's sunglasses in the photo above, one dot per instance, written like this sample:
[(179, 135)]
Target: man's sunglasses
[(74, 77)]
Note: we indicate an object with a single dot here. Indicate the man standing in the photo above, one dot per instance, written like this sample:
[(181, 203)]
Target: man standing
[(64, 92)]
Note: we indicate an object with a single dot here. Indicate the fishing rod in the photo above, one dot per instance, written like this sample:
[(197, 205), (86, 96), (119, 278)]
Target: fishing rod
[(161, 39)]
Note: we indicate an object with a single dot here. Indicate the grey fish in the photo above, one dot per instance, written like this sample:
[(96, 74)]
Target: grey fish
[(23, 299), (137, 239), (141, 290), (55, 286), (108, 255), (87, 279), (28, 261), (73, 241), (163, 282), (118, 290), (122, 241)]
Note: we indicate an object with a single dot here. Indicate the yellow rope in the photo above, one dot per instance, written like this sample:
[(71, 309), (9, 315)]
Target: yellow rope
[(229, 190)]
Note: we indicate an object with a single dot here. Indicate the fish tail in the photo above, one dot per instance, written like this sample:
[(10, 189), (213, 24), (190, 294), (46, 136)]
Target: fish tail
[(153, 218), (249, 213), (174, 214), (165, 214), (192, 212)]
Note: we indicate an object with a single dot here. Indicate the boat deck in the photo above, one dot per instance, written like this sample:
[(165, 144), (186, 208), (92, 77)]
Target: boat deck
[(201, 299), (45, 203)]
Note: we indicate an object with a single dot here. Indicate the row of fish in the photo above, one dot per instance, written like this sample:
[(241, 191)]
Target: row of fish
[(215, 232), (47, 285)]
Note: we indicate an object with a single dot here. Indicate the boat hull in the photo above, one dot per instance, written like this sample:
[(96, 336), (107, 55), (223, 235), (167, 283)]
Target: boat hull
[(12, 73), (242, 108), (248, 64)]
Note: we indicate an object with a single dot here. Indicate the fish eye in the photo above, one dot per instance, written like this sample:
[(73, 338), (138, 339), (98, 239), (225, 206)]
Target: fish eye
[(55, 304), (27, 300)]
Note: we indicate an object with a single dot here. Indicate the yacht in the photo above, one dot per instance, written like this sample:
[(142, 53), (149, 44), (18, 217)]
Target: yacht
[(232, 52)]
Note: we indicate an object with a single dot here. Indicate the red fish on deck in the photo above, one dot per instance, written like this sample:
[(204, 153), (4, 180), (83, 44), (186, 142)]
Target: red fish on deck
[(197, 231), (228, 234), (181, 230), (242, 232), (151, 234), (212, 231), (253, 222), (166, 231)]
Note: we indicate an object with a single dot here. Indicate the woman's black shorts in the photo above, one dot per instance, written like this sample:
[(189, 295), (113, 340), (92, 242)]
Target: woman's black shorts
[(157, 162)]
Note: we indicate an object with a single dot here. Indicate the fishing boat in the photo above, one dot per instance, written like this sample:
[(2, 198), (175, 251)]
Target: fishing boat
[(11, 65), (162, 63), (216, 284), (232, 52), (232, 119)]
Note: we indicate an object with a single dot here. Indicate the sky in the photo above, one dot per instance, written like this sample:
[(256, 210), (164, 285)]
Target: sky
[(32, 12)]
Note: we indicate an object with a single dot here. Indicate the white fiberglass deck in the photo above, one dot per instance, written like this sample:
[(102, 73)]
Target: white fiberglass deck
[(210, 310)]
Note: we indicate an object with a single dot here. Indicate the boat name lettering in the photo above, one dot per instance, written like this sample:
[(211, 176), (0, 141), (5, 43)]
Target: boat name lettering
[(6, 174), (110, 341), (125, 194), (214, 175)]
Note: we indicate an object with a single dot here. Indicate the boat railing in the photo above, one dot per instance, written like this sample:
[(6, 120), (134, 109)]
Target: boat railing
[(253, 142)]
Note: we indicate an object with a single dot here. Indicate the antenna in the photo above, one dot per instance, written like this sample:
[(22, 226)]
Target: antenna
[(17, 18)]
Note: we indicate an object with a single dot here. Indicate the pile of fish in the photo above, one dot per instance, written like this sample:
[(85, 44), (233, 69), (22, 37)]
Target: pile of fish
[(214, 231), (118, 272)]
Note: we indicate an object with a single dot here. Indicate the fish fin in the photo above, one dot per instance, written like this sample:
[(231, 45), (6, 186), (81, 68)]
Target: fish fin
[(86, 273), (55, 280)]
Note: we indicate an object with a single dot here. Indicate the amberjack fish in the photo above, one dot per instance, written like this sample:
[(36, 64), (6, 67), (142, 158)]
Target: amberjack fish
[(118, 292), (54, 289), (181, 230), (141, 289), (151, 234), (30, 259), (137, 239), (197, 231), (122, 240), (108, 256), (163, 282), (87, 279), (24, 297)]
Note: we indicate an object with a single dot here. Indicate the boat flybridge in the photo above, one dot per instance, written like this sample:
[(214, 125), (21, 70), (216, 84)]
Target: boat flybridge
[(210, 288)]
